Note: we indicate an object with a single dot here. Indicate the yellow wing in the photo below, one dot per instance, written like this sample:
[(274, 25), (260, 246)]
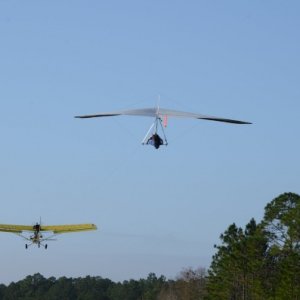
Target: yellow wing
[(68, 228), (15, 228)]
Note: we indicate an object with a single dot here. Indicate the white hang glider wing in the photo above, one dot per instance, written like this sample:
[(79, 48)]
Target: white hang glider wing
[(161, 113)]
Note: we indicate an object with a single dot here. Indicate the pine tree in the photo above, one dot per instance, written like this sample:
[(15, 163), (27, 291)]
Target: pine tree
[(282, 222), (237, 269)]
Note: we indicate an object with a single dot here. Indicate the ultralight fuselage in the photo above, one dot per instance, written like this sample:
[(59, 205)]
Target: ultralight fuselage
[(36, 237)]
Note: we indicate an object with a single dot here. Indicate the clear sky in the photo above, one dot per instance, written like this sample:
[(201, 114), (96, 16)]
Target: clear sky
[(157, 211)]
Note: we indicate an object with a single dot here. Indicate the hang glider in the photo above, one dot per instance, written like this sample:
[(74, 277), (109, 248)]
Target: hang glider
[(37, 237), (161, 116)]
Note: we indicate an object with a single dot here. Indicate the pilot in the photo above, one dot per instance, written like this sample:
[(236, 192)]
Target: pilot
[(37, 227), (155, 140)]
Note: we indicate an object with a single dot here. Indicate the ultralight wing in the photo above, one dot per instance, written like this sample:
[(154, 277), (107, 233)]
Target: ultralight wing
[(56, 229), (161, 112), (15, 228)]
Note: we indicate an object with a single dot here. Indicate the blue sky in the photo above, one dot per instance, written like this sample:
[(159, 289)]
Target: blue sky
[(157, 211)]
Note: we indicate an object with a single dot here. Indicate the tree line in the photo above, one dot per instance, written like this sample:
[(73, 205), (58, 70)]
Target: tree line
[(259, 262), (97, 288)]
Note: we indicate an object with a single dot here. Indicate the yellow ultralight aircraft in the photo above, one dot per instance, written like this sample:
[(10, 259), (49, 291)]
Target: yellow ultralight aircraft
[(37, 237)]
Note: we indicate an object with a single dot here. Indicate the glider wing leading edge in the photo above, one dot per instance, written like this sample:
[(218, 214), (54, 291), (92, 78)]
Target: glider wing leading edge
[(161, 112)]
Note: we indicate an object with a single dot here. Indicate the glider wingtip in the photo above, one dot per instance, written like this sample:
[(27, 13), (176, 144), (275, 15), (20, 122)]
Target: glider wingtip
[(224, 120), (82, 117), (241, 122)]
